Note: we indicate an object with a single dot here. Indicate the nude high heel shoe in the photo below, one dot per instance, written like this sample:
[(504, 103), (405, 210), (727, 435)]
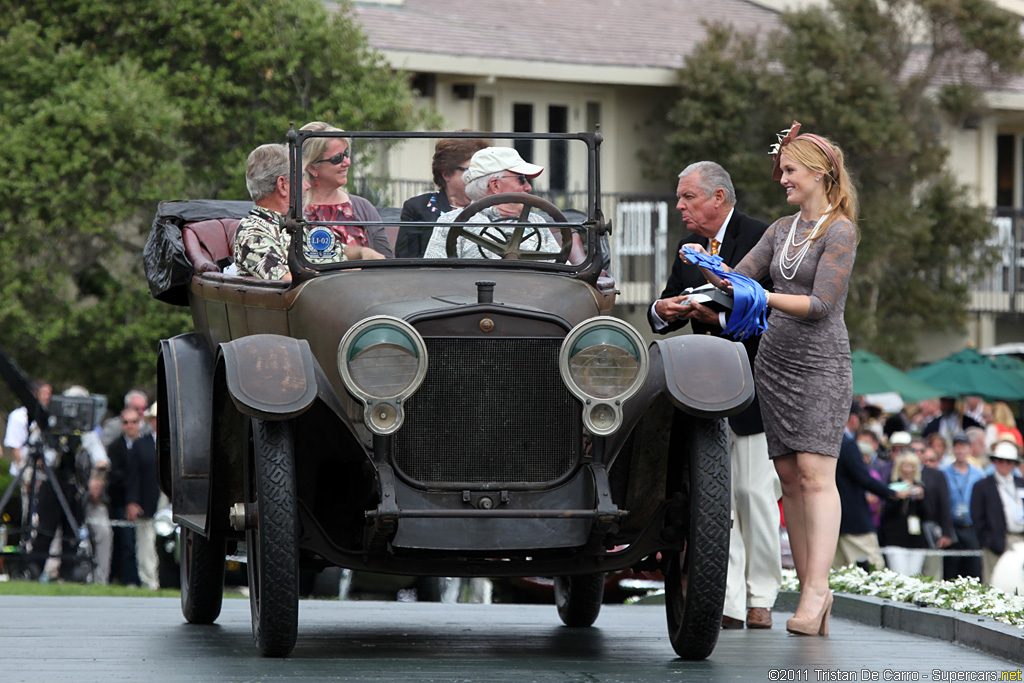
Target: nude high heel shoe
[(815, 626)]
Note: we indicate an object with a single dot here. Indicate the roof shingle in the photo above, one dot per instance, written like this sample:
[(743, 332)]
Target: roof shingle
[(625, 33)]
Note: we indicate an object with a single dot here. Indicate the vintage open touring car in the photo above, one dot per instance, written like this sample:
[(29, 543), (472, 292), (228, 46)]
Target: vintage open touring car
[(438, 416)]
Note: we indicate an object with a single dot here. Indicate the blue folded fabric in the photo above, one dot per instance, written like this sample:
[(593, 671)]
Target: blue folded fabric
[(750, 304)]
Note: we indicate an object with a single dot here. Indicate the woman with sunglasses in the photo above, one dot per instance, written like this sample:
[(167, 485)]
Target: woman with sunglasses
[(326, 165)]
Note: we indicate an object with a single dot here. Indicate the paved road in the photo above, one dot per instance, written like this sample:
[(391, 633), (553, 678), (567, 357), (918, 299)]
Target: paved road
[(145, 639)]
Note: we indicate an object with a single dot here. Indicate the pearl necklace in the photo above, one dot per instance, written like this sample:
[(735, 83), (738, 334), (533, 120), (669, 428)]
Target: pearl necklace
[(792, 263)]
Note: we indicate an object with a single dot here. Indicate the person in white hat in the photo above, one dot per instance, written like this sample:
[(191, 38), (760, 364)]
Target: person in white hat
[(494, 170), (997, 507)]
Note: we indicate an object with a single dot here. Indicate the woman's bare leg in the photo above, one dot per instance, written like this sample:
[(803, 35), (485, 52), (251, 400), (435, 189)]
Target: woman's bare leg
[(821, 515), (792, 509)]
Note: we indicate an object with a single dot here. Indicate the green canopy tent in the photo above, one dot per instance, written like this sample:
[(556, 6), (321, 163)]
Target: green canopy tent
[(872, 375), (968, 373), (1011, 367)]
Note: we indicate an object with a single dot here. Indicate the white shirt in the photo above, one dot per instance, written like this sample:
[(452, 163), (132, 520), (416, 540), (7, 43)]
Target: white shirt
[(92, 445), (16, 435), (436, 247), (1013, 505)]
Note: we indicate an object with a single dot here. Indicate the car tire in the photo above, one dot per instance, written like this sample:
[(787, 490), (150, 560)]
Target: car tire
[(272, 545), (578, 598), (202, 577), (695, 577)]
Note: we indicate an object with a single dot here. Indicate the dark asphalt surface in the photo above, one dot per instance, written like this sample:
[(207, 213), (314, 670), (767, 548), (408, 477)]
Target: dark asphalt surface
[(145, 639)]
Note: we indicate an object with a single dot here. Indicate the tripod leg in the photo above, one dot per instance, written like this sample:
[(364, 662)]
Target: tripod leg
[(59, 492), (9, 491), (75, 548)]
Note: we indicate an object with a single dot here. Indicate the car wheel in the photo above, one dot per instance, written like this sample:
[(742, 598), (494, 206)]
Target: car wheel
[(695, 579), (202, 577), (272, 544), (578, 598)]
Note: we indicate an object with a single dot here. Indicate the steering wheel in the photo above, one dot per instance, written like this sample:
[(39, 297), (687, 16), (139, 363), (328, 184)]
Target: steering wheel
[(510, 246)]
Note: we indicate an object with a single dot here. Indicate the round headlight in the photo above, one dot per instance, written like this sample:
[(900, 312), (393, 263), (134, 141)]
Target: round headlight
[(382, 361), (603, 362)]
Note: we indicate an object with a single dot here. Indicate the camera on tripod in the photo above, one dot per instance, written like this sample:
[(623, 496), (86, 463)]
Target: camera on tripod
[(70, 415), (54, 477)]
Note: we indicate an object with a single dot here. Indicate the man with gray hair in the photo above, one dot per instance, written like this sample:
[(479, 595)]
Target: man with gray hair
[(707, 200), (134, 398), (261, 242), (495, 170)]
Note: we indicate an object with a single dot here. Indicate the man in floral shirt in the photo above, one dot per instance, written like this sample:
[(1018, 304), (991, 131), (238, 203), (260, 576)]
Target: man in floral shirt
[(261, 242)]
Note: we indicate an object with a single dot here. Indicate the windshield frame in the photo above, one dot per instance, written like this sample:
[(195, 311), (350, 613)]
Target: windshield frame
[(592, 227)]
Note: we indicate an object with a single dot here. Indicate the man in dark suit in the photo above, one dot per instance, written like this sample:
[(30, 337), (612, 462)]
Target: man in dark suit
[(950, 422), (936, 497), (119, 452), (707, 201), (997, 507), (858, 537), (142, 496)]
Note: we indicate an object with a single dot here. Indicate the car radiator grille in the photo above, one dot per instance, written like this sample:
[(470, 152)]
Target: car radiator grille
[(490, 410)]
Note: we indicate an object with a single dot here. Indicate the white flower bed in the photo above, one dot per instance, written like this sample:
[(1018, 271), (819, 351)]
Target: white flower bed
[(962, 595)]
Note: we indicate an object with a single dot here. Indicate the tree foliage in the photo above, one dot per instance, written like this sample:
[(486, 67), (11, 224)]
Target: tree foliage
[(862, 73), (108, 107)]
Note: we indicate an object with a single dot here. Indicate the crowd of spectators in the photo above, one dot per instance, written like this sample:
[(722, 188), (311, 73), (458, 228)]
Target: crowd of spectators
[(935, 488), (104, 535)]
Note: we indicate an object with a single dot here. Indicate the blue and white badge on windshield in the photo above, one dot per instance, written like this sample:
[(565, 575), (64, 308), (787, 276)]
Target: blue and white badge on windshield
[(321, 244)]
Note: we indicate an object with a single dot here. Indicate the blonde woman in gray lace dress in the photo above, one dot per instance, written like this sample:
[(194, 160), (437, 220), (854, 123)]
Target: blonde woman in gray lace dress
[(802, 372)]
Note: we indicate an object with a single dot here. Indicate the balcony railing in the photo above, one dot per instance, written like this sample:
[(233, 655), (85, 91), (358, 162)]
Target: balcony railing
[(1001, 290)]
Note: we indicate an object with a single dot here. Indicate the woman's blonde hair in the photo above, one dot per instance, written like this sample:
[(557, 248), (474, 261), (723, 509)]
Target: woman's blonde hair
[(1001, 414), (839, 188), (908, 457), (313, 149)]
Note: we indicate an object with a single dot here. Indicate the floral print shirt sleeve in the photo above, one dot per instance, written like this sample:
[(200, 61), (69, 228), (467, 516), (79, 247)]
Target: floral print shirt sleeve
[(261, 245)]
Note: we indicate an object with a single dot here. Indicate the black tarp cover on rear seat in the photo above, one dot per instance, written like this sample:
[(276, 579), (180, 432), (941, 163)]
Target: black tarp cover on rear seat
[(167, 270)]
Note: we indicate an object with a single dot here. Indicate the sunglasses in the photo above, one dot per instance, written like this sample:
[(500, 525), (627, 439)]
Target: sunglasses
[(336, 159), (518, 176)]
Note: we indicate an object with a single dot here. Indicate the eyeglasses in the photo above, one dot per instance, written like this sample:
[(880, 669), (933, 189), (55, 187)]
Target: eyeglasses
[(518, 176), (336, 159)]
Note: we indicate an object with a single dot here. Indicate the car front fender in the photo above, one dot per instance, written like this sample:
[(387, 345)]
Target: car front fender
[(185, 395), (705, 376), (269, 376)]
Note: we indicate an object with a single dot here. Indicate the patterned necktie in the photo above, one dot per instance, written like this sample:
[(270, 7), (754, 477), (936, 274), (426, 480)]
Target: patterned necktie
[(715, 244)]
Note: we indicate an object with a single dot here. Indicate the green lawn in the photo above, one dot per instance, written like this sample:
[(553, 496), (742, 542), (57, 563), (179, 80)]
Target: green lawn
[(67, 588)]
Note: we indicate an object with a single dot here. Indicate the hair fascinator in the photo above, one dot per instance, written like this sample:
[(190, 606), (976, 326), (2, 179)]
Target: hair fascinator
[(793, 133), (785, 137)]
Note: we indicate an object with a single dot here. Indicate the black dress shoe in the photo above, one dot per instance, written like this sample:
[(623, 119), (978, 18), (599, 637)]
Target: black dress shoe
[(728, 623)]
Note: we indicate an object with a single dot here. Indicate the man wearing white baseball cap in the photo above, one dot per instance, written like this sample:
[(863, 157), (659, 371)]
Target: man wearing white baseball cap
[(997, 507), (494, 170)]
